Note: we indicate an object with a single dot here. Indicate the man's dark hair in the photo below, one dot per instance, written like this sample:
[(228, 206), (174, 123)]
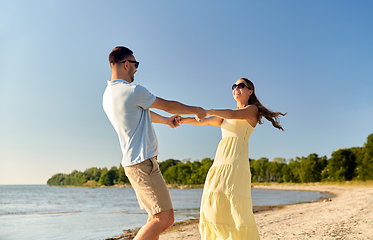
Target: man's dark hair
[(119, 53)]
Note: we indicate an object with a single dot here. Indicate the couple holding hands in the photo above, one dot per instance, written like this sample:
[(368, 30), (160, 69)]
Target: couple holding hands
[(226, 208)]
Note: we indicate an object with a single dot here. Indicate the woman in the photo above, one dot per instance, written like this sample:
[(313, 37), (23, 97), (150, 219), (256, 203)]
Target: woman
[(226, 207)]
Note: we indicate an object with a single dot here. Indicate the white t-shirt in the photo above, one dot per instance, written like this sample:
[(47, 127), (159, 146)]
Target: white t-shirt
[(127, 107)]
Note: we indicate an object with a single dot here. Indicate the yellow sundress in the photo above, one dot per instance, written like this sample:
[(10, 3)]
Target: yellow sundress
[(226, 207)]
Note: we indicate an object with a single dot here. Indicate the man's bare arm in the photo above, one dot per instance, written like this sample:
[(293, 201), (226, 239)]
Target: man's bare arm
[(175, 107), (170, 121)]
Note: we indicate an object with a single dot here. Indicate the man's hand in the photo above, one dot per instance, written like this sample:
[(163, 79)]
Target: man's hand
[(173, 121)]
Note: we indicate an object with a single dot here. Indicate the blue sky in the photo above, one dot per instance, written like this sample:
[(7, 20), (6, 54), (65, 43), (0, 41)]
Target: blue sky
[(312, 59)]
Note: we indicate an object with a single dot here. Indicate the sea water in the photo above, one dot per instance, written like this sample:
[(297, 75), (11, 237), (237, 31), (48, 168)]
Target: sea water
[(54, 213)]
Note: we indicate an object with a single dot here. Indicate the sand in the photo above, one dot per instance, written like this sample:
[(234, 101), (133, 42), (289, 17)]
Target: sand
[(349, 215)]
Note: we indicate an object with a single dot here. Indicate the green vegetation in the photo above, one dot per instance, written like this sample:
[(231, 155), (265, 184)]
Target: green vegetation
[(92, 177), (344, 165), (175, 172), (185, 173)]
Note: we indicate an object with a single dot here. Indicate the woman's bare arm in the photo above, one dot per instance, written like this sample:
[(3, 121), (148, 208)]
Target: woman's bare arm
[(249, 112), (211, 121)]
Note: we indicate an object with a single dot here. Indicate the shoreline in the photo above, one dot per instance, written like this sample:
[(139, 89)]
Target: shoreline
[(266, 216), (93, 185), (131, 233), (348, 215)]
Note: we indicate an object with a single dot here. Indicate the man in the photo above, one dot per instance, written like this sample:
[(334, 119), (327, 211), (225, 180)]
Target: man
[(127, 107)]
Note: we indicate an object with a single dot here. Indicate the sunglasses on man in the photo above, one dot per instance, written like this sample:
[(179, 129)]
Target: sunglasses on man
[(239, 86), (136, 63)]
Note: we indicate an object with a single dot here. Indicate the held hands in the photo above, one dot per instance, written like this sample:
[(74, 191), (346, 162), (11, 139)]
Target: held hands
[(191, 120), (177, 120), (201, 114), (173, 122)]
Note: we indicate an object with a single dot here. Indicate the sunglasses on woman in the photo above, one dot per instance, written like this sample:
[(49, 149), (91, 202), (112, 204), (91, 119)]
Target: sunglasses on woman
[(239, 86), (136, 63)]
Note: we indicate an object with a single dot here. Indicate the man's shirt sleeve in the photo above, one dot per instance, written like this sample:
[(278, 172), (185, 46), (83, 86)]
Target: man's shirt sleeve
[(143, 98)]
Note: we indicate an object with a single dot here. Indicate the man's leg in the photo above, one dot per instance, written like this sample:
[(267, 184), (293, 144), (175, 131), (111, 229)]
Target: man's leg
[(157, 224), (153, 195)]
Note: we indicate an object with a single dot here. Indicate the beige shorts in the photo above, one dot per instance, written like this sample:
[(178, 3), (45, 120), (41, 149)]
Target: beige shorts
[(151, 190)]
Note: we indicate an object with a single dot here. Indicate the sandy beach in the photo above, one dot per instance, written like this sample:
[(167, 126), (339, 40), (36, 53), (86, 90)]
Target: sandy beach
[(349, 215)]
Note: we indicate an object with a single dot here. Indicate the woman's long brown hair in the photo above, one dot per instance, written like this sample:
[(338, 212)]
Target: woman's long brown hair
[(263, 111)]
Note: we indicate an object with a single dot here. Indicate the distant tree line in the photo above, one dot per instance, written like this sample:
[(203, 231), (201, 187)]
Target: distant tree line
[(174, 172), (102, 176), (345, 164), (185, 172)]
